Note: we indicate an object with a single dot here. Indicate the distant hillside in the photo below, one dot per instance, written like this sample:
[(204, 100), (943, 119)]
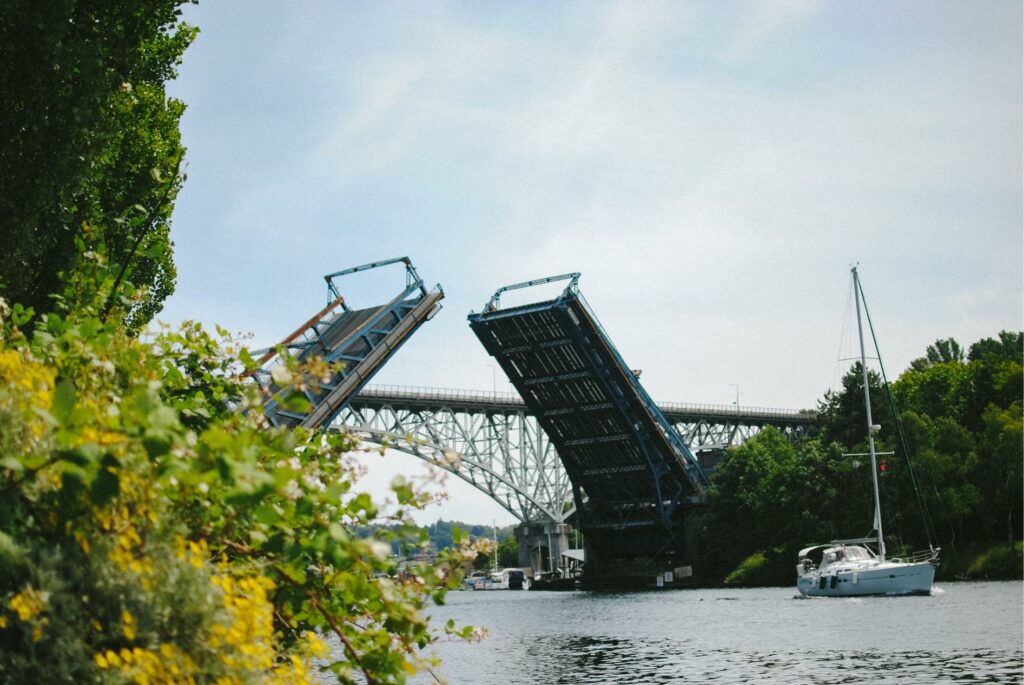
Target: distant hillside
[(440, 534)]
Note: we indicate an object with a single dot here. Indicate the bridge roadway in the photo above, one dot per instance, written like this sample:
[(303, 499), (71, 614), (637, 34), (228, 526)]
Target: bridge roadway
[(431, 399), (707, 429)]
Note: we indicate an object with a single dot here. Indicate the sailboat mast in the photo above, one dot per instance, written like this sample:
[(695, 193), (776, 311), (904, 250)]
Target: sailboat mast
[(871, 426)]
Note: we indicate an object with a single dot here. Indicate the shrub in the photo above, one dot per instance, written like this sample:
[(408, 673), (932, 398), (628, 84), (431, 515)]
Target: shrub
[(154, 528), (998, 562)]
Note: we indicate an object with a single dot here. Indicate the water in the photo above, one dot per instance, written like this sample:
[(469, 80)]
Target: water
[(964, 632)]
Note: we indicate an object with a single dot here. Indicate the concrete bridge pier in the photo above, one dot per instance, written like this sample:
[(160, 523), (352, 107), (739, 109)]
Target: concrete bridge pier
[(541, 544)]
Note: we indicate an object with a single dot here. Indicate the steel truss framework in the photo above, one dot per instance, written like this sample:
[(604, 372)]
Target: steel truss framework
[(493, 443), (501, 452), (355, 343)]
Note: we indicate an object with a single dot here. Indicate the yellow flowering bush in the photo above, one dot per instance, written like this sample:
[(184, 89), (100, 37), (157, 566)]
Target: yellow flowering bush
[(154, 529)]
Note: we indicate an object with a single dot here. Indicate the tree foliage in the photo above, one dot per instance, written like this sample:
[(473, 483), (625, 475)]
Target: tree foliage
[(90, 139), (962, 419), (154, 528)]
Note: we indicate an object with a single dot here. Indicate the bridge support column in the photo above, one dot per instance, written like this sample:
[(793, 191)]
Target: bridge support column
[(641, 556), (541, 544)]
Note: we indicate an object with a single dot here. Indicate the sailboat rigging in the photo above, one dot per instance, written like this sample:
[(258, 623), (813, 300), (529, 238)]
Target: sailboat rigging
[(851, 567)]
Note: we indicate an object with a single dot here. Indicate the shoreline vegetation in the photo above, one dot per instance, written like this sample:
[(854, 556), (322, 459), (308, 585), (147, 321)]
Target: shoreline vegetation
[(954, 479)]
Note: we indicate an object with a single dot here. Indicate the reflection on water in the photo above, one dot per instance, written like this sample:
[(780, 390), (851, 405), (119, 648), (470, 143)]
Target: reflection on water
[(973, 632)]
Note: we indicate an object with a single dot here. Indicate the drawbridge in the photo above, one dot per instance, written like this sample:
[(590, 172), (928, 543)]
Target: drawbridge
[(355, 343), (634, 481)]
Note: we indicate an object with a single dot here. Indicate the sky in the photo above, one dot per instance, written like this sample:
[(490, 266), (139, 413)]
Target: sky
[(712, 169)]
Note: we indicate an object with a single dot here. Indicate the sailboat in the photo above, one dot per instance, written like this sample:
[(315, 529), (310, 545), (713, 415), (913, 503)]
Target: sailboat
[(859, 566)]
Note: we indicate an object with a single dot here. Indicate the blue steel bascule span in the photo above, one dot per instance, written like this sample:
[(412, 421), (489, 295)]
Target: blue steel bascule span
[(356, 343), (635, 483), (582, 441)]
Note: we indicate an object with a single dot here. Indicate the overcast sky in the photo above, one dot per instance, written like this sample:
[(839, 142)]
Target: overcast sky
[(712, 169)]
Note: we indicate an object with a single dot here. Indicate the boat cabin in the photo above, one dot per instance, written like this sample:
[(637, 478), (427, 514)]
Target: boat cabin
[(836, 554)]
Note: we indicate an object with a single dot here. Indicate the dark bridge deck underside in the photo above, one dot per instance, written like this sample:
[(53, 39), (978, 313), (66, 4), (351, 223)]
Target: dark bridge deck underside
[(632, 475)]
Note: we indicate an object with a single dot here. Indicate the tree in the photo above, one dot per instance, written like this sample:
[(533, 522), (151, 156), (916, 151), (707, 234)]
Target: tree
[(939, 389), (964, 435), (508, 552), (1001, 471), (842, 415), (1008, 347), (91, 142)]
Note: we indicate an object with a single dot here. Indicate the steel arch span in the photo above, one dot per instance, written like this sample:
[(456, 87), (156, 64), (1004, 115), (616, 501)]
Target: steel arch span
[(502, 453)]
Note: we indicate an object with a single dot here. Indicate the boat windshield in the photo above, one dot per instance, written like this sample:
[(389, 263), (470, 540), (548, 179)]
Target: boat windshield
[(837, 554)]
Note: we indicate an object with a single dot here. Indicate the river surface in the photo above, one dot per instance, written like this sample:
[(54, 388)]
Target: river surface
[(964, 632)]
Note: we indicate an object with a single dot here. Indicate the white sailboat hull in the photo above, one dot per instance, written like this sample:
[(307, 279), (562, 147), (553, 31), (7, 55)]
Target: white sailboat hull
[(886, 578)]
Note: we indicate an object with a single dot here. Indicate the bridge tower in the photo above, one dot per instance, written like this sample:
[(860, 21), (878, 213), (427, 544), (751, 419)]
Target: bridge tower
[(635, 483)]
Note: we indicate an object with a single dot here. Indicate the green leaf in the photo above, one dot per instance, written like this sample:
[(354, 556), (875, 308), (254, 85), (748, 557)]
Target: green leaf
[(157, 443), (294, 572), (82, 455), (71, 486), (155, 250), (21, 315), (63, 401), (105, 485), (12, 464), (45, 416), (267, 514)]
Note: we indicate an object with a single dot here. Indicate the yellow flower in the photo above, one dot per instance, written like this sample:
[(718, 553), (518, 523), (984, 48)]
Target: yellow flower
[(29, 386), (314, 645), (129, 625), (28, 603)]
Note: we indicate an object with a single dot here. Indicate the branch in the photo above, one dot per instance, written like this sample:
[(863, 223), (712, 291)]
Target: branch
[(143, 232), (341, 636)]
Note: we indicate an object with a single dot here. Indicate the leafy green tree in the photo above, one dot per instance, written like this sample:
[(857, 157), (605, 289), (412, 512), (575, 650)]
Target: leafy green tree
[(1001, 473), (842, 416), (91, 142), (945, 351), (1008, 346), (947, 464), (769, 494), (508, 552), (997, 376), (961, 420), (939, 389)]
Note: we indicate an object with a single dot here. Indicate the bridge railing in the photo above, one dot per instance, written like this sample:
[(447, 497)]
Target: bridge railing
[(742, 410), (414, 392)]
